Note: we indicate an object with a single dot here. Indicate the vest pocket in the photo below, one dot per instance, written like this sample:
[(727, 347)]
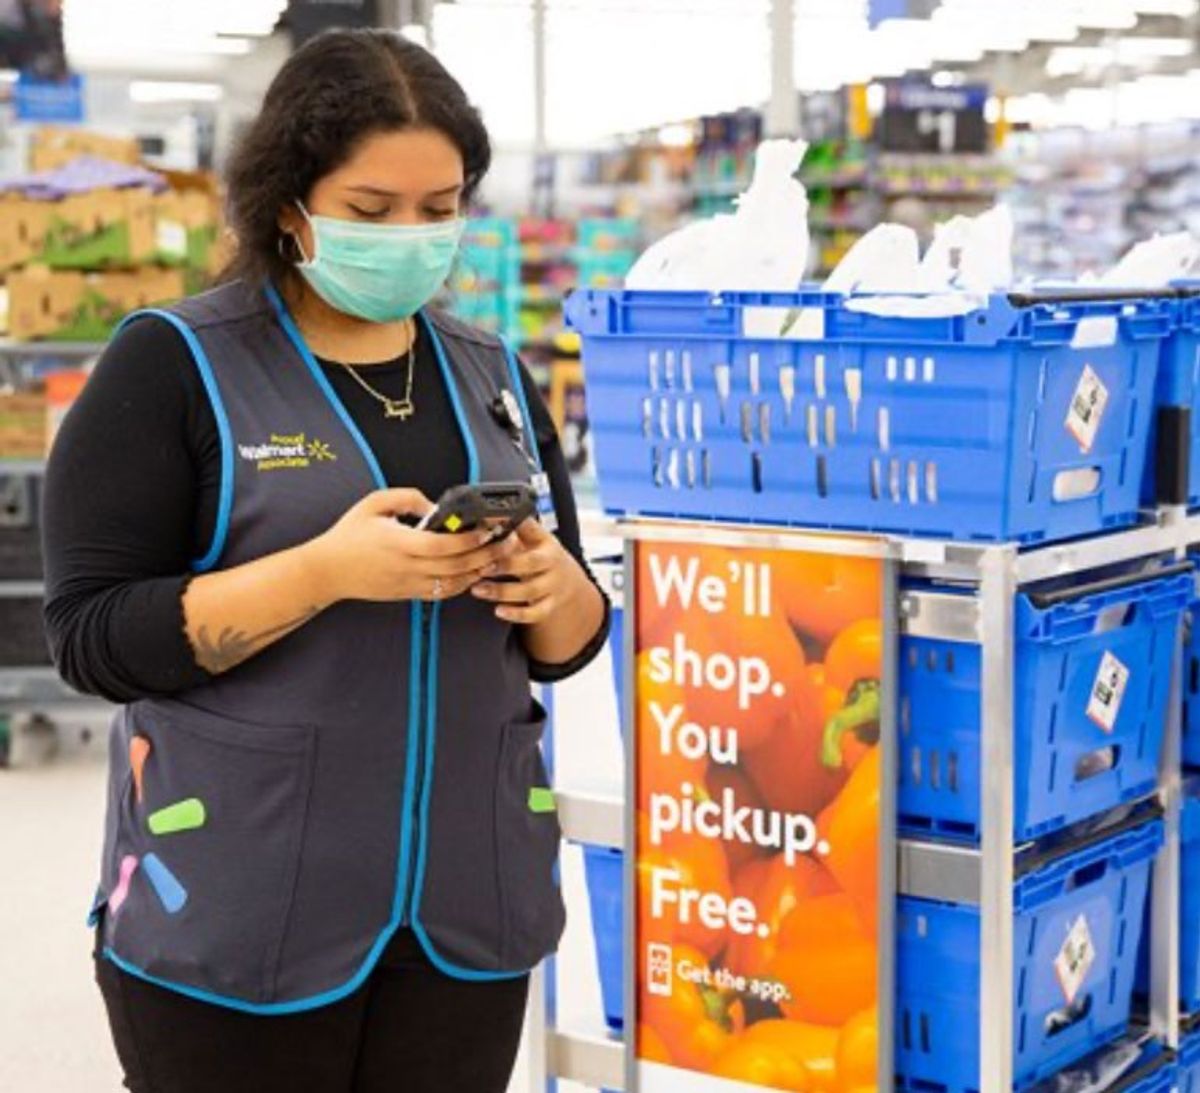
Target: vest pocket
[(528, 835), (208, 847)]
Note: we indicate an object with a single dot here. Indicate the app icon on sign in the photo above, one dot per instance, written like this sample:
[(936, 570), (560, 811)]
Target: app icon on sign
[(659, 961)]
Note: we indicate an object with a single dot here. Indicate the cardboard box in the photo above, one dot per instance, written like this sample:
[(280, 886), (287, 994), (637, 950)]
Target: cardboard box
[(56, 146), (66, 305), (23, 426), (186, 227), (22, 230), (99, 229)]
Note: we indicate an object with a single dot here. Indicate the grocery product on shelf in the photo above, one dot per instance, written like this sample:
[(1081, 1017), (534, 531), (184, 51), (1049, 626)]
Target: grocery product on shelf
[(67, 305)]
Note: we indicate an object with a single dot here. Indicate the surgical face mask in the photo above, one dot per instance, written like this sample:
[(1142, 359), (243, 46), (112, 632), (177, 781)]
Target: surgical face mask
[(379, 272)]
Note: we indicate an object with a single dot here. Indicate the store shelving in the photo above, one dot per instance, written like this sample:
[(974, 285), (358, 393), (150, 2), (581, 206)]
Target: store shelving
[(31, 687), (982, 874)]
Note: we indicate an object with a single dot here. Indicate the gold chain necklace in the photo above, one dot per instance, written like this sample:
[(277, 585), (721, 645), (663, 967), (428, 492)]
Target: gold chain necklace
[(402, 408)]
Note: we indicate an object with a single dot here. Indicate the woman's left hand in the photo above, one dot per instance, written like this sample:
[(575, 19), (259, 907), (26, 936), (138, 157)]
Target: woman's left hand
[(539, 578)]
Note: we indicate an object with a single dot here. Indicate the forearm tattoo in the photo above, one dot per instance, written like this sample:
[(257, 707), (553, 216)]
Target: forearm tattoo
[(218, 653)]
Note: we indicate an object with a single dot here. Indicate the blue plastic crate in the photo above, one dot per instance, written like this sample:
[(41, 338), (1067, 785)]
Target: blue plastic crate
[(1189, 1063), (1189, 906), (1179, 375), (605, 870), (1191, 686), (1067, 766), (1159, 1076), (1103, 885), (960, 430), (603, 867)]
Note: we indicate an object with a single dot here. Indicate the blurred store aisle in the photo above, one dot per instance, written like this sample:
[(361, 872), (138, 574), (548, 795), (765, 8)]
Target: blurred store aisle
[(54, 1035)]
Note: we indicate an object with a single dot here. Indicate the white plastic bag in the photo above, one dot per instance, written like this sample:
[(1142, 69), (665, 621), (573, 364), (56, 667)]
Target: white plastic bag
[(886, 259), (1154, 263), (761, 247)]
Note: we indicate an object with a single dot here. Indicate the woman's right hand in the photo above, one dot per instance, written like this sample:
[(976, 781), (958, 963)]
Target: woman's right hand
[(370, 555)]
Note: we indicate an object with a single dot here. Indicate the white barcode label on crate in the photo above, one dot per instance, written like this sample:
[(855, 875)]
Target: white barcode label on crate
[(1108, 692), (1075, 959), (1087, 409)]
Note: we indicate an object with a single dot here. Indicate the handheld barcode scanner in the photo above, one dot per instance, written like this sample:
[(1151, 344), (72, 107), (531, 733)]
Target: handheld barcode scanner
[(503, 505)]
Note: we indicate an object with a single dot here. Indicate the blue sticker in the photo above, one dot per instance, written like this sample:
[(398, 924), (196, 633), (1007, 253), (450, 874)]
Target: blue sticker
[(170, 892)]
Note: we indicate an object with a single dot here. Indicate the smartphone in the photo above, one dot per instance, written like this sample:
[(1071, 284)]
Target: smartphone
[(500, 505)]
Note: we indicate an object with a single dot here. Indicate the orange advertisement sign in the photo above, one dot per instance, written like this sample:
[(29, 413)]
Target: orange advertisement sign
[(758, 705)]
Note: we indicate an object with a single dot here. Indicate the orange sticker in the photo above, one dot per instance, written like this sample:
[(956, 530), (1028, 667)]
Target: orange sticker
[(139, 752)]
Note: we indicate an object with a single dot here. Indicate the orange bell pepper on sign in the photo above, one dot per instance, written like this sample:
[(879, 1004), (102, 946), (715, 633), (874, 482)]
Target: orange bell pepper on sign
[(851, 828)]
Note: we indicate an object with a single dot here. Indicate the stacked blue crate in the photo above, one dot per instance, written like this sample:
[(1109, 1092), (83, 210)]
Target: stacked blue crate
[(604, 867), (1027, 420), (1073, 757), (1176, 480), (1189, 1062), (1191, 686), (1078, 915), (1024, 420)]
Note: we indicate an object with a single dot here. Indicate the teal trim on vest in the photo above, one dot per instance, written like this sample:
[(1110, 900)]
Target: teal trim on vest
[(306, 355), (401, 896), (435, 958), (464, 426), (225, 501)]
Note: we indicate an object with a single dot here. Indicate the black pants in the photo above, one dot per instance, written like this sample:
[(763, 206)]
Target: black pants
[(408, 1029)]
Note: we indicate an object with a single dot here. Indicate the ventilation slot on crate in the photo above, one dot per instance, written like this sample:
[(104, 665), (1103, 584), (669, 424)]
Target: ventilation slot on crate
[(1097, 762), (1062, 1019), (673, 469), (756, 472)]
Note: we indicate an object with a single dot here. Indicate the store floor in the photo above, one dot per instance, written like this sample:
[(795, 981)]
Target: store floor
[(53, 1035)]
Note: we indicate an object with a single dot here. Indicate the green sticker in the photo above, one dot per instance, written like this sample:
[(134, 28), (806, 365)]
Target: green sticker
[(181, 816), (541, 800)]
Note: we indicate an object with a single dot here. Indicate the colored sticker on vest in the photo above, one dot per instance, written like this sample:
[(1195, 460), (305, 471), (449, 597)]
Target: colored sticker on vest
[(541, 800), (139, 752), (182, 816), (129, 866), (170, 892)]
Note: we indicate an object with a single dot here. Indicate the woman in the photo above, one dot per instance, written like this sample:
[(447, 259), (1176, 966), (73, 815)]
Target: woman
[(329, 856)]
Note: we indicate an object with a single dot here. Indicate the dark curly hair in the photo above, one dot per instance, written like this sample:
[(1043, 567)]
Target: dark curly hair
[(339, 88)]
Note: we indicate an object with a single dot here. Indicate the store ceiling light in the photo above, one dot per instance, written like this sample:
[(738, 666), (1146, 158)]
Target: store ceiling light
[(173, 91), (128, 29), (416, 32)]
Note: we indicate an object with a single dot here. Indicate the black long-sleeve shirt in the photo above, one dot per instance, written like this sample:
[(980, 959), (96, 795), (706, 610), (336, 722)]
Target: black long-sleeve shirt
[(132, 489)]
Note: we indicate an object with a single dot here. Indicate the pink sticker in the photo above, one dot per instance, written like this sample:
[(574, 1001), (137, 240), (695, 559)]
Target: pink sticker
[(139, 752), (129, 865)]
